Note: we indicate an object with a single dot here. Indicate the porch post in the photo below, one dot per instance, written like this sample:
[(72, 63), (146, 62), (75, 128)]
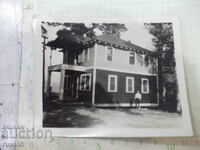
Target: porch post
[(61, 89), (77, 86), (49, 84)]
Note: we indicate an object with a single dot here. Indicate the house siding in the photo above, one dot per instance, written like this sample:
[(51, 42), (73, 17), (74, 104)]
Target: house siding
[(119, 63), (69, 57), (102, 96), (90, 62)]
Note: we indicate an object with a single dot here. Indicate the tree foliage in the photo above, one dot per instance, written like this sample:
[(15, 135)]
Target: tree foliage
[(44, 30), (163, 41), (81, 29), (111, 28)]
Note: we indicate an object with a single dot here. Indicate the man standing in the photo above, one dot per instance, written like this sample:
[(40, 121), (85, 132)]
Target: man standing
[(138, 98)]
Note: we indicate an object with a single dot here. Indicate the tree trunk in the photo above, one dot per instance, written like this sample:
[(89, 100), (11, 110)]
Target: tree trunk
[(160, 83), (43, 75)]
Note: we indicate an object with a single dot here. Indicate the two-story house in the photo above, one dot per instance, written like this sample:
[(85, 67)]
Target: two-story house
[(105, 71)]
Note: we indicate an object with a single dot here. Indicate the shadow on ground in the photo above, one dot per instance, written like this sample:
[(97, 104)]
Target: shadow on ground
[(67, 117), (129, 112)]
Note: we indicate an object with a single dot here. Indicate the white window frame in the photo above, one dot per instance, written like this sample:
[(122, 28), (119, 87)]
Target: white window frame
[(155, 62), (133, 83), (87, 59), (81, 57), (129, 53), (109, 77), (106, 53), (143, 62), (142, 59), (136, 55), (142, 88), (84, 86), (147, 61)]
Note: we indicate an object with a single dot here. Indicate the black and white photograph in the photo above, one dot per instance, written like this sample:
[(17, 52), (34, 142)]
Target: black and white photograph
[(111, 75)]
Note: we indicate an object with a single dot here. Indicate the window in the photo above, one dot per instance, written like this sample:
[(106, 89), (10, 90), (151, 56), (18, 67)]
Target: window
[(154, 62), (129, 84), (80, 57), (85, 82), (140, 59), (131, 57), (86, 54), (146, 60), (112, 83), (145, 85), (109, 53), (83, 56)]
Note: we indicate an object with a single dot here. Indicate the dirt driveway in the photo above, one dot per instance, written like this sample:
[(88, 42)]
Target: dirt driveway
[(80, 116)]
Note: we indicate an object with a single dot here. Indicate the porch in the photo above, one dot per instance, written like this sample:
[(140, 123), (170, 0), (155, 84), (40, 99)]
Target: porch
[(65, 87)]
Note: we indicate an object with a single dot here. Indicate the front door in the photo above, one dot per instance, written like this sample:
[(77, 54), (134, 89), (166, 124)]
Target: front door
[(71, 87)]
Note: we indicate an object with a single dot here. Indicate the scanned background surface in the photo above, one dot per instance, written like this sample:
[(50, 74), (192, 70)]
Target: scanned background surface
[(10, 55)]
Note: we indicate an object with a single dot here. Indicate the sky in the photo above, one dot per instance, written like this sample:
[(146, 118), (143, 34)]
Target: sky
[(138, 35)]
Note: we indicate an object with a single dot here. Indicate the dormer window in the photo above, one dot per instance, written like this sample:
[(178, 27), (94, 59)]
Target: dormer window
[(132, 58), (109, 53)]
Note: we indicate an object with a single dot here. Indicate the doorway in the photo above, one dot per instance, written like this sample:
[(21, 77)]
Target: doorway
[(71, 87)]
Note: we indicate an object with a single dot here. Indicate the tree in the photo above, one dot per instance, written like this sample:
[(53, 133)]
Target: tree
[(111, 28), (81, 29), (163, 41), (74, 28)]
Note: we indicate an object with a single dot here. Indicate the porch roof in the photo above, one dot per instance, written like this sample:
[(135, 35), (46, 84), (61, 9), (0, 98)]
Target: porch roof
[(67, 67)]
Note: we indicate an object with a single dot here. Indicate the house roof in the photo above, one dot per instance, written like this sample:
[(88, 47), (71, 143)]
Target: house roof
[(121, 44), (106, 40)]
